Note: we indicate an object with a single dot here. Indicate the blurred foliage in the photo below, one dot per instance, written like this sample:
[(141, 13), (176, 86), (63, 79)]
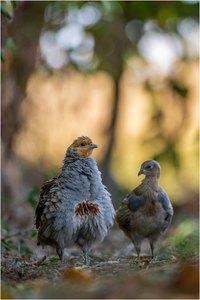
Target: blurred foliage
[(8, 244), (183, 243), (32, 198), (124, 21), (19, 242), (23, 249), (179, 89), (7, 10), (185, 239), (19, 247), (54, 260), (10, 44)]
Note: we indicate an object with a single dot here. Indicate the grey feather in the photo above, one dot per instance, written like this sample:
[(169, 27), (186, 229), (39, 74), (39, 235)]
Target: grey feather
[(165, 201), (78, 182), (135, 202)]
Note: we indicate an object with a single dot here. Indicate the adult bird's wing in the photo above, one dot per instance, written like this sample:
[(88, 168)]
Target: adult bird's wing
[(47, 193)]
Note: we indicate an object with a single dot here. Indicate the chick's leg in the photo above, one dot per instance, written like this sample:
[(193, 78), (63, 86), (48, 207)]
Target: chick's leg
[(137, 244), (138, 250), (152, 244)]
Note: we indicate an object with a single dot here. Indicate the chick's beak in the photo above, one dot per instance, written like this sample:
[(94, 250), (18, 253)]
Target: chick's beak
[(93, 146), (141, 172)]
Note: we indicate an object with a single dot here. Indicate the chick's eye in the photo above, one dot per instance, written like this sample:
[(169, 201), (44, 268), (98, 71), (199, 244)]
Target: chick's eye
[(149, 167), (82, 144)]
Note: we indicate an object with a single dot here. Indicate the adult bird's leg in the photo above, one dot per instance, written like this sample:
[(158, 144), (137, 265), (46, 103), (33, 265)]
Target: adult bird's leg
[(152, 248), (60, 253), (86, 259)]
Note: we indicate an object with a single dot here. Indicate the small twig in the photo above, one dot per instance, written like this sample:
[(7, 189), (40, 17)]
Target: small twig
[(103, 263), (40, 261)]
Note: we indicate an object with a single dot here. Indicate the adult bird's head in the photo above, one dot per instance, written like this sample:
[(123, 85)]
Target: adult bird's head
[(150, 168), (81, 147)]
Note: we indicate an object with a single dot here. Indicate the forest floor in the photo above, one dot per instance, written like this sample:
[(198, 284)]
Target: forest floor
[(115, 271)]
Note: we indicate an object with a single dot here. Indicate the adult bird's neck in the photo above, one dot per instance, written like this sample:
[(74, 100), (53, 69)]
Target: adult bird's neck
[(78, 164)]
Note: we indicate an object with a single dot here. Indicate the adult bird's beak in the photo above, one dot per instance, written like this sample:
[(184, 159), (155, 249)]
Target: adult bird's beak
[(141, 172), (93, 146)]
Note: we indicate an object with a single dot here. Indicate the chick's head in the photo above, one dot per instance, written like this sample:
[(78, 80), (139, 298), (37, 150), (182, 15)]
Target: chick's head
[(150, 168), (82, 147)]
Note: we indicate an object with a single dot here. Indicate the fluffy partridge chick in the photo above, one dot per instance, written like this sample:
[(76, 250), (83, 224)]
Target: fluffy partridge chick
[(74, 207), (147, 211)]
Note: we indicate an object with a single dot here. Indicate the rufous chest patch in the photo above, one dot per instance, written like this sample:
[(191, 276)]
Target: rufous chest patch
[(87, 208)]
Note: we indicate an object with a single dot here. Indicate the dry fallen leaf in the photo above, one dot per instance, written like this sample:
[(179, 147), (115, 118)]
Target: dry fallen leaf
[(78, 276), (5, 294), (187, 280)]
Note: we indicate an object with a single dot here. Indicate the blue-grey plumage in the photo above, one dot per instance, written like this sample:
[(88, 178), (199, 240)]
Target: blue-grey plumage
[(147, 211), (74, 207)]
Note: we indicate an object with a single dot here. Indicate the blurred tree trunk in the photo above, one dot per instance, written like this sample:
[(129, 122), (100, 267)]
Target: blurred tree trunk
[(116, 40), (108, 179), (24, 30)]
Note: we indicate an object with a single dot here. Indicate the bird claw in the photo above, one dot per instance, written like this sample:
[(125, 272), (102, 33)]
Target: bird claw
[(86, 259)]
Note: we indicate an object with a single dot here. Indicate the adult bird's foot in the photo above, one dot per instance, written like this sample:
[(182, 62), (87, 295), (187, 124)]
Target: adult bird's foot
[(86, 259)]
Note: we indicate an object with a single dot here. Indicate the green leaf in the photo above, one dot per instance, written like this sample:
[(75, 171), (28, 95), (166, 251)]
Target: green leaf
[(2, 55), (34, 233), (6, 227), (8, 244), (53, 260), (5, 13), (10, 44), (14, 3), (23, 248)]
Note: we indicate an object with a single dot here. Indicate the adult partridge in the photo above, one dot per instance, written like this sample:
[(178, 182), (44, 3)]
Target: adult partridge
[(74, 207), (147, 211)]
